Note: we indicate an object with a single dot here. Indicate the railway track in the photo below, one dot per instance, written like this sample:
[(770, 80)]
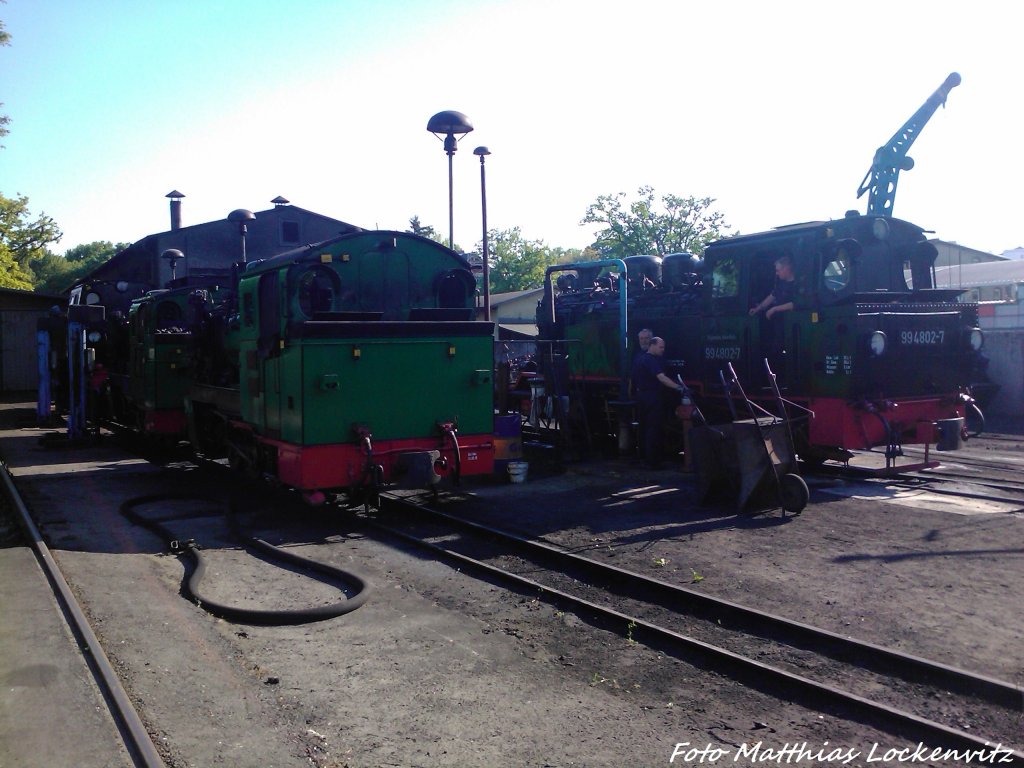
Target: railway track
[(134, 735), (896, 692)]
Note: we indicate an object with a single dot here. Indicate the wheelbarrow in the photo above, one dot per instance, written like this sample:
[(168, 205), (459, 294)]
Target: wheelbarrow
[(755, 453)]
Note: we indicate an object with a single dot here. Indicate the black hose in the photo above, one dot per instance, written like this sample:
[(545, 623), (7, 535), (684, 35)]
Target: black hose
[(893, 449), (974, 419), (458, 454), (190, 588)]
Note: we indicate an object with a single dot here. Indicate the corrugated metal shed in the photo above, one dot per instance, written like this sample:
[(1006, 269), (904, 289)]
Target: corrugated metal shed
[(19, 313)]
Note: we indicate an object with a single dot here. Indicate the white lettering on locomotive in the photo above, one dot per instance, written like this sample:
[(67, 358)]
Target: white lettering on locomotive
[(925, 338), (838, 364), (721, 353)]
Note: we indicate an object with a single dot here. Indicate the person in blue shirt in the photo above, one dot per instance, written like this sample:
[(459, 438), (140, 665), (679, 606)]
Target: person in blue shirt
[(648, 380)]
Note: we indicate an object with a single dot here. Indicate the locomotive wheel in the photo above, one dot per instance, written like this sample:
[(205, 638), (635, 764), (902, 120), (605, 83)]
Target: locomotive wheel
[(793, 493)]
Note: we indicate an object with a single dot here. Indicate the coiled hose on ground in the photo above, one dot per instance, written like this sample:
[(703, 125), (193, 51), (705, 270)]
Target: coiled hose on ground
[(190, 587)]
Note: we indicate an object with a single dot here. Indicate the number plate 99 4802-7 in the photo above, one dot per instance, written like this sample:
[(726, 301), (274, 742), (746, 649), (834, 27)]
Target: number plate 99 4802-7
[(922, 338)]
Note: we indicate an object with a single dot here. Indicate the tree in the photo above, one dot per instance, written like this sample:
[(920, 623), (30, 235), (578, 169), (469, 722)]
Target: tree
[(23, 240), (11, 273), (687, 224), (515, 263), (420, 229), (425, 230), (54, 274), (5, 39)]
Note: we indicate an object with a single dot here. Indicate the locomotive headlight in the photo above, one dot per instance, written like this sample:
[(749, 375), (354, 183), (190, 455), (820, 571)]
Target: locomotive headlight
[(94, 337), (880, 229), (977, 339), (878, 343)]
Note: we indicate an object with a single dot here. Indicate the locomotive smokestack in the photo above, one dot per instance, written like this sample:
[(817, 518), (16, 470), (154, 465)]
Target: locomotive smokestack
[(175, 208)]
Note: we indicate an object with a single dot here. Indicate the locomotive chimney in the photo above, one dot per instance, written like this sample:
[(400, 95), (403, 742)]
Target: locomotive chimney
[(175, 208)]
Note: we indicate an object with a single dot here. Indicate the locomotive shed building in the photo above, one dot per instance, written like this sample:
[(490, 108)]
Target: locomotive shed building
[(996, 286), (19, 313), (211, 247)]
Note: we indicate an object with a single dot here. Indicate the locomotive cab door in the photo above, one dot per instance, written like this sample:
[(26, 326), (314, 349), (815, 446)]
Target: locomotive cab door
[(773, 338), (268, 348), (725, 331)]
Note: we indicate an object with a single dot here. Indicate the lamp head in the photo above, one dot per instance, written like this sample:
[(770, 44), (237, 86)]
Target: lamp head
[(449, 122), (241, 216)]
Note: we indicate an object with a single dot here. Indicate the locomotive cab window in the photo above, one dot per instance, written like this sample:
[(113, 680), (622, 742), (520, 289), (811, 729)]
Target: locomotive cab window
[(837, 267), (168, 314), (836, 274), (455, 288), (725, 283), (317, 288)]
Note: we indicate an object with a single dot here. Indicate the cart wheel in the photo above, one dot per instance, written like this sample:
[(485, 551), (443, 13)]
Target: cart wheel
[(793, 493)]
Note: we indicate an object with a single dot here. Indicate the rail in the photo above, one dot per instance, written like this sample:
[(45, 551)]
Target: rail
[(132, 730)]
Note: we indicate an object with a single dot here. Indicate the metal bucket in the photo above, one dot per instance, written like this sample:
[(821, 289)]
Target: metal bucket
[(517, 471), (950, 434)]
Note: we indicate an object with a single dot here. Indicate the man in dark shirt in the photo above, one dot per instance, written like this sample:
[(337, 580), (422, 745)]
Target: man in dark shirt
[(773, 305), (648, 379), (781, 297)]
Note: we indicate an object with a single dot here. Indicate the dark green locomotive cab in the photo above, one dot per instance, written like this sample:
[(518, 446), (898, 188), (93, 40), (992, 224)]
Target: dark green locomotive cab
[(867, 329), (159, 364), (357, 350), (866, 342)]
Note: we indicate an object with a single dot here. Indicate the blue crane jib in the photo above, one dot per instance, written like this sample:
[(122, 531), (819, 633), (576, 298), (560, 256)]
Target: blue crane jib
[(891, 157)]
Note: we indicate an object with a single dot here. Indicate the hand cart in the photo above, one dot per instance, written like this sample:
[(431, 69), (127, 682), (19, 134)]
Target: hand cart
[(758, 451)]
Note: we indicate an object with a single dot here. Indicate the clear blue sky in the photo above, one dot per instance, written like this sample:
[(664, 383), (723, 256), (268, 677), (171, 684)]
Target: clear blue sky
[(773, 109)]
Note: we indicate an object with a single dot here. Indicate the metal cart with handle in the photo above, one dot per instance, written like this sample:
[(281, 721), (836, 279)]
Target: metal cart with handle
[(755, 450)]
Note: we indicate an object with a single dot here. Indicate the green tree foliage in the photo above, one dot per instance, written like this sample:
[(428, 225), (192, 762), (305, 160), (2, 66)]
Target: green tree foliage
[(11, 273), (682, 224), (55, 274), (23, 241), (518, 264), (5, 39), (424, 230)]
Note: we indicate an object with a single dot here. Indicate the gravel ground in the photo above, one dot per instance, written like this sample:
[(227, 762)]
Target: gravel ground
[(442, 669)]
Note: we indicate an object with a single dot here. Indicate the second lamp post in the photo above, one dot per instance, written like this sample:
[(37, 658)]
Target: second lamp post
[(482, 152)]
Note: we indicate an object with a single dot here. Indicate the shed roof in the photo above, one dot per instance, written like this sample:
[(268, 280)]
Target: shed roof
[(983, 273)]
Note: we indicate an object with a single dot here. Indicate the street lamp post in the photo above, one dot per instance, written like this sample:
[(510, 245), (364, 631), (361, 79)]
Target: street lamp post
[(242, 217), (482, 152), (173, 255), (451, 124)]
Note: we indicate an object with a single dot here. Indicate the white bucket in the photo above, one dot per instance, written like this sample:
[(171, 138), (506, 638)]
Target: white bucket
[(517, 471)]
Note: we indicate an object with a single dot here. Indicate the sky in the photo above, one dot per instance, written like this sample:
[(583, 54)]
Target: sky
[(774, 110)]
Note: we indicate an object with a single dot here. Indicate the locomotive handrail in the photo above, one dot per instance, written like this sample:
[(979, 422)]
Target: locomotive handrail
[(549, 296)]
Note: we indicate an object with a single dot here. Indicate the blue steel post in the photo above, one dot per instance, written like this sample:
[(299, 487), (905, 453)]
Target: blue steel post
[(43, 362), (76, 380)]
